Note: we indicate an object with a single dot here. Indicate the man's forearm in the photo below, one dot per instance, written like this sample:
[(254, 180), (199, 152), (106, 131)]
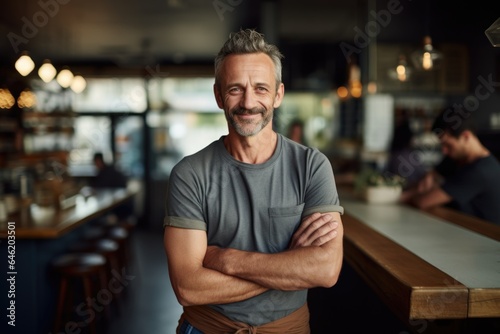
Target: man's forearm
[(294, 269), (215, 288)]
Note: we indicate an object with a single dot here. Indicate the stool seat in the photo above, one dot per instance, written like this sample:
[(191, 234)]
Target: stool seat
[(79, 263), (98, 245), (117, 233)]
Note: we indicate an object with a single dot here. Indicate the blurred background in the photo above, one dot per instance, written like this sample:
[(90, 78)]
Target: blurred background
[(148, 74), (139, 77)]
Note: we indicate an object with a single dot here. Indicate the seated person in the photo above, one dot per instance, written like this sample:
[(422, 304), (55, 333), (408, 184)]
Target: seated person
[(473, 184), (107, 175)]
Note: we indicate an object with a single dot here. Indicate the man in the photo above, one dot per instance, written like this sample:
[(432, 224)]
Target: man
[(473, 184), (107, 175), (253, 220)]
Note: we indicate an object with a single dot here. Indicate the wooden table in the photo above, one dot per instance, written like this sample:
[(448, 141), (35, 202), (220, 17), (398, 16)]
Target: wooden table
[(425, 265)]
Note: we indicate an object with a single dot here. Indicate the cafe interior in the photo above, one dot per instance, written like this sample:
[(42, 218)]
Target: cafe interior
[(133, 80)]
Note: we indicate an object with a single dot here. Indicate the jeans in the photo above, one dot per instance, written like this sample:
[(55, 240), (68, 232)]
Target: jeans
[(187, 328)]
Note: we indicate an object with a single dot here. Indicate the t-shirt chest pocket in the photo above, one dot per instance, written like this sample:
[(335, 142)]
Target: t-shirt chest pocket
[(283, 221)]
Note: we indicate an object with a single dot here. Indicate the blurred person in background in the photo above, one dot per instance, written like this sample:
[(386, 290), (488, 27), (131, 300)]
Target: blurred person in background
[(472, 183), (107, 176)]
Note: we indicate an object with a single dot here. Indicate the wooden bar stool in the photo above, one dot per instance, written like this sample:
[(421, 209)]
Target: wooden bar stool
[(121, 236), (108, 248), (115, 233), (87, 268)]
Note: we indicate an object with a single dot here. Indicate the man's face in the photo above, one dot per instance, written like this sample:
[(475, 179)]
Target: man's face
[(247, 92), (453, 147)]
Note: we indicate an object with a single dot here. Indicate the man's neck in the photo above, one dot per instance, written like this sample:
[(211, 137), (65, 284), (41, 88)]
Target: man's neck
[(253, 149), (478, 152)]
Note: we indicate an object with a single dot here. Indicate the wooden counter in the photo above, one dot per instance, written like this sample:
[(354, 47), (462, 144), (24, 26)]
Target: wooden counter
[(42, 234), (422, 265), (36, 222)]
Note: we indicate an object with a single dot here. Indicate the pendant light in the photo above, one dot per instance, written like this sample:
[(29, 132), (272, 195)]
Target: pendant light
[(401, 71), (427, 58), (47, 71), (493, 33), (78, 84), (65, 78), (24, 65), (7, 101)]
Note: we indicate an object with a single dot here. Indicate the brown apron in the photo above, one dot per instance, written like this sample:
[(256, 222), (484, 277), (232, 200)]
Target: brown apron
[(210, 321)]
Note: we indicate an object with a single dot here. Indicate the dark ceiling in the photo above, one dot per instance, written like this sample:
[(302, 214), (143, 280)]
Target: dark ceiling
[(136, 33)]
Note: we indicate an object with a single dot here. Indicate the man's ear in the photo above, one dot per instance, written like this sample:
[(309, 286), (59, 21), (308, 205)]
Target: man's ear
[(280, 92), (467, 134)]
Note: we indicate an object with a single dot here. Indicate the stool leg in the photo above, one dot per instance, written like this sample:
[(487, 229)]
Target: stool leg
[(60, 304), (103, 281), (88, 297)]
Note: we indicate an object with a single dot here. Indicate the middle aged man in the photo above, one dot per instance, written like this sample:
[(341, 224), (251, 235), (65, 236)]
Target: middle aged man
[(253, 220)]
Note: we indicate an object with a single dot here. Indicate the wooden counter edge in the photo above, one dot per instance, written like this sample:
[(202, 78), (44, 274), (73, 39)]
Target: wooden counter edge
[(475, 224), (484, 303), (63, 228), (410, 286)]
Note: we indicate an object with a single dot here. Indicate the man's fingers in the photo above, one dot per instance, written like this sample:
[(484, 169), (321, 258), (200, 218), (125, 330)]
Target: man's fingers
[(315, 230)]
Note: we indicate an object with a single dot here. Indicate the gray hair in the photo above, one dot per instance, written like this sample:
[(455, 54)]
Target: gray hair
[(248, 41)]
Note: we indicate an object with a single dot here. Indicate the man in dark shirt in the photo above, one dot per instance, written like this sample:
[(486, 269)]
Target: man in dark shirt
[(107, 175), (473, 187)]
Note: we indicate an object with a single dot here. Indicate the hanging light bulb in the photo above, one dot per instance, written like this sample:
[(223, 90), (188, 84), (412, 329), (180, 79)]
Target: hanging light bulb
[(7, 101), (47, 71), (24, 65), (78, 84), (26, 99), (402, 71), (65, 78), (427, 58)]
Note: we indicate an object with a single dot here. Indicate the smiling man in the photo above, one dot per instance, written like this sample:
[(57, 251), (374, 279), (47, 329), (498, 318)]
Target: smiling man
[(253, 220)]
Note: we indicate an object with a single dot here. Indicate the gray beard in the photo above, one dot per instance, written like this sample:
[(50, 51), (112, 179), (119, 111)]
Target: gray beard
[(242, 127)]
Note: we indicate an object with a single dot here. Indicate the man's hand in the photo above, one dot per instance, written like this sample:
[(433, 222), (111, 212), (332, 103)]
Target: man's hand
[(315, 230)]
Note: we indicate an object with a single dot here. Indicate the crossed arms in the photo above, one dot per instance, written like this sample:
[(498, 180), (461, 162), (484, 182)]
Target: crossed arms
[(202, 274)]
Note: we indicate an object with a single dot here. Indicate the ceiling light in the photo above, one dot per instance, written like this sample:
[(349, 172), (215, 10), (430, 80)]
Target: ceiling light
[(26, 99), (427, 58), (47, 71), (24, 65), (402, 71), (6, 99), (64, 78), (78, 84), (493, 33)]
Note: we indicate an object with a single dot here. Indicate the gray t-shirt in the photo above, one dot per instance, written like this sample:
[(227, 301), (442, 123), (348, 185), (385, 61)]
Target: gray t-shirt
[(252, 207)]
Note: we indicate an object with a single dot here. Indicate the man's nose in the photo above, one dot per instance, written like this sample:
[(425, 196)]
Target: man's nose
[(248, 100)]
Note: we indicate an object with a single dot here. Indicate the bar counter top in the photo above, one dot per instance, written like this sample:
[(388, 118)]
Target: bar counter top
[(435, 264), (37, 222)]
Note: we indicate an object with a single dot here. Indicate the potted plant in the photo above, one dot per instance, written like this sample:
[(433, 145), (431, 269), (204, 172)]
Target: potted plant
[(377, 187)]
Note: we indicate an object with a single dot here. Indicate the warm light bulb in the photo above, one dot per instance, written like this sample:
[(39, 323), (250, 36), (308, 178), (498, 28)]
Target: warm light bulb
[(27, 99), (47, 71), (24, 65), (64, 78), (78, 84), (342, 92), (427, 61), (6, 99), (401, 72)]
